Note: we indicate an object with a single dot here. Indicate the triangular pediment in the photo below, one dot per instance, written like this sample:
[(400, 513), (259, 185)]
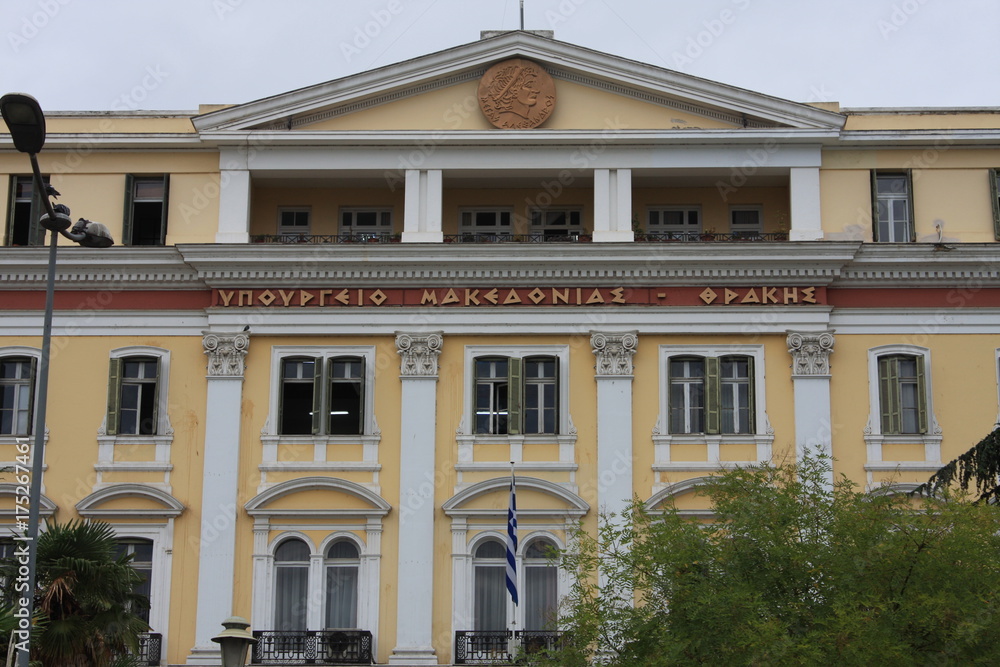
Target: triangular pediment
[(438, 92)]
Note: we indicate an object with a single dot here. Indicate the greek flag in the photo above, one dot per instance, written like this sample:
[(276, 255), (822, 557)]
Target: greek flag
[(512, 541)]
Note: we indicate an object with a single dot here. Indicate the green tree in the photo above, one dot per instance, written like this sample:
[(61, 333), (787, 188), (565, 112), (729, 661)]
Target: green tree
[(84, 600), (789, 572)]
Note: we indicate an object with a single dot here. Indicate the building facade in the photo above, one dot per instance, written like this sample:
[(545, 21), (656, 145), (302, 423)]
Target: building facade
[(336, 317)]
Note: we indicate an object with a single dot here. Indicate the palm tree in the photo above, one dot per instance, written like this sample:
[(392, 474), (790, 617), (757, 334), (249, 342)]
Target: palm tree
[(85, 597)]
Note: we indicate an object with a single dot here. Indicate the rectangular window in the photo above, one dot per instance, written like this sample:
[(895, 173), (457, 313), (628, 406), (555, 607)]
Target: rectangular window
[(293, 222), (676, 222), (145, 210), (892, 207), (711, 394), (133, 391), (556, 224), (322, 398), (486, 222), (365, 223), (902, 394), (17, 389), (514, 395), (26, 208), (746, 222)]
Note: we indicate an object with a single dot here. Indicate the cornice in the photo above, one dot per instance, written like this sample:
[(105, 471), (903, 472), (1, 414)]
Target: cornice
[(914, 138), (974, 265), (422, 265), (116, 268)]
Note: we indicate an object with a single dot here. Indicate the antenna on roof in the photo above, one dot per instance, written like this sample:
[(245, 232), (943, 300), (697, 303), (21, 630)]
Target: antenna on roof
[(522, 14)]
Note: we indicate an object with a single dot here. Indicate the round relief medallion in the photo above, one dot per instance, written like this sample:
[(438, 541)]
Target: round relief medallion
[(517, 94)]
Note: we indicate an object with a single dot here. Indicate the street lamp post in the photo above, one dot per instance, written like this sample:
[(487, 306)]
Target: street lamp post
[(26, 122)]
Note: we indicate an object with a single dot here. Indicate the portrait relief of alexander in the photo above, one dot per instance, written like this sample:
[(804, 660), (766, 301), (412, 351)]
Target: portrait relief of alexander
[(517, 94)]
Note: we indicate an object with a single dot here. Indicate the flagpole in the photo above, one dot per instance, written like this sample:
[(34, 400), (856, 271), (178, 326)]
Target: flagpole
[(522, 28), (511, 544)]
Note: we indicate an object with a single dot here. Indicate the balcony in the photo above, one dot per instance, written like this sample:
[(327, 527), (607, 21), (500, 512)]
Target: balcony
[(539, 237), (323, 239), (312, 647), (150, 648), (498, 647)]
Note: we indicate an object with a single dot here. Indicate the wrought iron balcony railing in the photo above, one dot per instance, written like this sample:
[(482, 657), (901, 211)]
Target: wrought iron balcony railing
[(640, 237), (324, 239), (495, 647), (312, 647), (150, 648)]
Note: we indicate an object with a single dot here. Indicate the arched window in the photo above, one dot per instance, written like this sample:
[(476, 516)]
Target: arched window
[(342, 565), (490, 572), (291, 584), (541, 591)]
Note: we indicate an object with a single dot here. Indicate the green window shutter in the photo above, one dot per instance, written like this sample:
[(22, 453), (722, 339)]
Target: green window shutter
[(514, 384), (995, 195), (921, 396), (319, 410), (751, 396), (114, 396), (909, 205), (713, 396), (127, 216), (156, 397), (163, 211), (874, 183), (32, 375), (888, 378)]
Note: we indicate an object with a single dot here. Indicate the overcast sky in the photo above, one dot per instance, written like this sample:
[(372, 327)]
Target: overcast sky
[(177, 54)]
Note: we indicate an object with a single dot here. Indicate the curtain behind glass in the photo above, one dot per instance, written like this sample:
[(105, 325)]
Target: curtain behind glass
[(291, 585), (540, 604), (341, 597), (491, 600)]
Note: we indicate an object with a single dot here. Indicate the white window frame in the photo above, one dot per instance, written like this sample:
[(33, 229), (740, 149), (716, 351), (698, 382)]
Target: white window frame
[(30, 353), (685, 232), (762, 437), (162, 537), (907, 197), (295, 232), (467, 438), (874, 438), (496, 230), (365, 232), (746, 232), (463, 601), (368, 581), (163, 438), (542, 227), (369, 438)]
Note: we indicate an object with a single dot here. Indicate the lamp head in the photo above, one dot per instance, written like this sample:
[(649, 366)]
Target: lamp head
[(90, 234), (25, 121)]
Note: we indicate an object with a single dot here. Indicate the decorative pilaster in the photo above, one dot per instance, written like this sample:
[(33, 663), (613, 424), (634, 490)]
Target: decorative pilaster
[(418, 370), (811, 386), (234, 208), (613, 205), (614, 352), (422, 206), (220, 483), (803, 188)]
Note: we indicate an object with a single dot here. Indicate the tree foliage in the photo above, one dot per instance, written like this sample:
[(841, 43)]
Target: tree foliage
[(84, 598), (789, 572), (980, 464)]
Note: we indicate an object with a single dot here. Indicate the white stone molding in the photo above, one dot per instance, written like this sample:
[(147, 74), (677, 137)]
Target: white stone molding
[(810, 352), (419, 353), (668, 491), (614, 352), (9, 516), (226, 353)]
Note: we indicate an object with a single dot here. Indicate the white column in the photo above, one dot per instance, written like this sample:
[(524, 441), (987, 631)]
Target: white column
[(811, 393), (422, 206), (220, 481), (803, 189), (614, 375), (419, 354), (613, 205), (234, 207)]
